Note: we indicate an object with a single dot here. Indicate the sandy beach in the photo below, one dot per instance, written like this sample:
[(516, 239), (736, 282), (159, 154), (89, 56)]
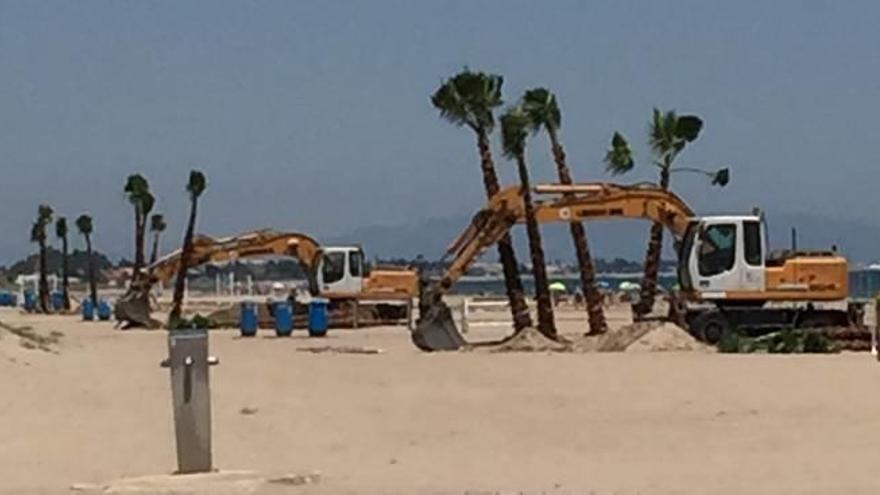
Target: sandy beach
[(97, 409)]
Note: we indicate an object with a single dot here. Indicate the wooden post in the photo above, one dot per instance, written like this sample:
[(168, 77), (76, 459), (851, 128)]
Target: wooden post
[(410, 323)]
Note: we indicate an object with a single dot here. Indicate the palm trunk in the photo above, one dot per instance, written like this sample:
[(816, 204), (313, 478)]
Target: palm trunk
[(139, 223), (519, 309), (595, 312), (648, 291), (155, 255), (180, 281), (44, 279), (546, 324), (65, 283), (93, 283)]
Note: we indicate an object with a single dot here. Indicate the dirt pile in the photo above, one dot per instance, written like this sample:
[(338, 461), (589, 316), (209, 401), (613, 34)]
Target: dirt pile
[(527, 340), (651, 336), (615, 340), (668, 337)]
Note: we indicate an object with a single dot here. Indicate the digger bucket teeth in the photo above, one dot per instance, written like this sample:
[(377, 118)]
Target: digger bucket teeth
[(133, 311), (436, 330)]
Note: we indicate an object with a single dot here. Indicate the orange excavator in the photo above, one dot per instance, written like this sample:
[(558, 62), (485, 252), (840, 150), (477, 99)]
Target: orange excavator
[(338, 273), (727, 281)]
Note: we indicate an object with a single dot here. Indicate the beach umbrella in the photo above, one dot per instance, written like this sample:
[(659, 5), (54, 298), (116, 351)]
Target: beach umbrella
[(558, 286), (627, 285)]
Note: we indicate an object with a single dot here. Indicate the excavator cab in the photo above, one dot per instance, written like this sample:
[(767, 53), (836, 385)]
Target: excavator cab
[(719, 254), (341, 270)]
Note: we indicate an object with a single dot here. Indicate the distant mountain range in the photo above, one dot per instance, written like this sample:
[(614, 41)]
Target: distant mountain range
[(623, 239)]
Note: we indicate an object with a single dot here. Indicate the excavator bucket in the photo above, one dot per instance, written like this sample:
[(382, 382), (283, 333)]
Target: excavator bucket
[(133, 310), (436, 330)]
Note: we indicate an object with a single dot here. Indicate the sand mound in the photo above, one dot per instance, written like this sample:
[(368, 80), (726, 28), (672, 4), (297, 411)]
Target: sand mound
[(647, 336), (642, 336), (616, 340), (667, 337), (527, 340)]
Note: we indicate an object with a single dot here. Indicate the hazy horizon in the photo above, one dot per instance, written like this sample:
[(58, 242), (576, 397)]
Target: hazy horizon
[(315, 117)]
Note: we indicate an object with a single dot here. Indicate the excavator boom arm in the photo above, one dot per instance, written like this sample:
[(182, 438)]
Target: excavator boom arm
[(554, 203), (562, 203), (248, 245)]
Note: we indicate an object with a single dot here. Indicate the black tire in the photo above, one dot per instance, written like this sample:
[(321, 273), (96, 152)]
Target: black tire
[(711, 326)]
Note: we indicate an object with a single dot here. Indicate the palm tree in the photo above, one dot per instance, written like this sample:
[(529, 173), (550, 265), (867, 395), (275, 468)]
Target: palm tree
[(514, 130), (469, 99), (669, 134), (543, 111), (61, 233), (157, 226), (38, 235), (85, 227), (137, 190), (195, 187)]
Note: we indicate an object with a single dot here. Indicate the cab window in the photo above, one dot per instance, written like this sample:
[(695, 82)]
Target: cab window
[(752, 237), (333, 268), (717, 249), (355, 263)]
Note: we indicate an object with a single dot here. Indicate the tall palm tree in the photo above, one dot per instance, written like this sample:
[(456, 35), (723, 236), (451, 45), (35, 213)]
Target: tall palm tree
[(157, 226), (543, 111), (669, 134), (469, 99), (195, 187), (514, 130), (85, 227), (38, 235), (137, 190), (61, 233)]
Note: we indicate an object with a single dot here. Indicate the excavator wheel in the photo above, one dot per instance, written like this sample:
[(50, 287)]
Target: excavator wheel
[(436, 330), (710, 326)]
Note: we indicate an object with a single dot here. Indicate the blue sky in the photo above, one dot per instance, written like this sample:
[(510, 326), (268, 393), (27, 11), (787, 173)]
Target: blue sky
[(315, 116)]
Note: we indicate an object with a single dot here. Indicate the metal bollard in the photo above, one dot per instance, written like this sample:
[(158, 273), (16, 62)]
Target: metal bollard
[(191, 398)]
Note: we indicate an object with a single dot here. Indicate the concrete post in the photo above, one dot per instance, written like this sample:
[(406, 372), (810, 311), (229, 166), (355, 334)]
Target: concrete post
[(191, 398)]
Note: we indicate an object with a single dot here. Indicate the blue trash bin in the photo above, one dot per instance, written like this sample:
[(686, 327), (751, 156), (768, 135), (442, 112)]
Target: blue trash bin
[(105, 311), (88, 309), (283, 319), (57, 300), (249, 320), (30, 301), (318, 320), (8, 299)]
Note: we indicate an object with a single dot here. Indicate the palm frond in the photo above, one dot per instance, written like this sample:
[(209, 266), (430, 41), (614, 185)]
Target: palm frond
[(721, 177), (515, 124), (38, 232), (619, 159), (157, 223), (61, 227), (470, 98), (44, 213), (688, 127), (543, 110), (197, 184), (84, 224)]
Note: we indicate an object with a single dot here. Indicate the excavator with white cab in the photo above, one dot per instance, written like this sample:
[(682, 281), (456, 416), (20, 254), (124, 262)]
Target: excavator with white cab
[(338, 273), (728, 281)]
